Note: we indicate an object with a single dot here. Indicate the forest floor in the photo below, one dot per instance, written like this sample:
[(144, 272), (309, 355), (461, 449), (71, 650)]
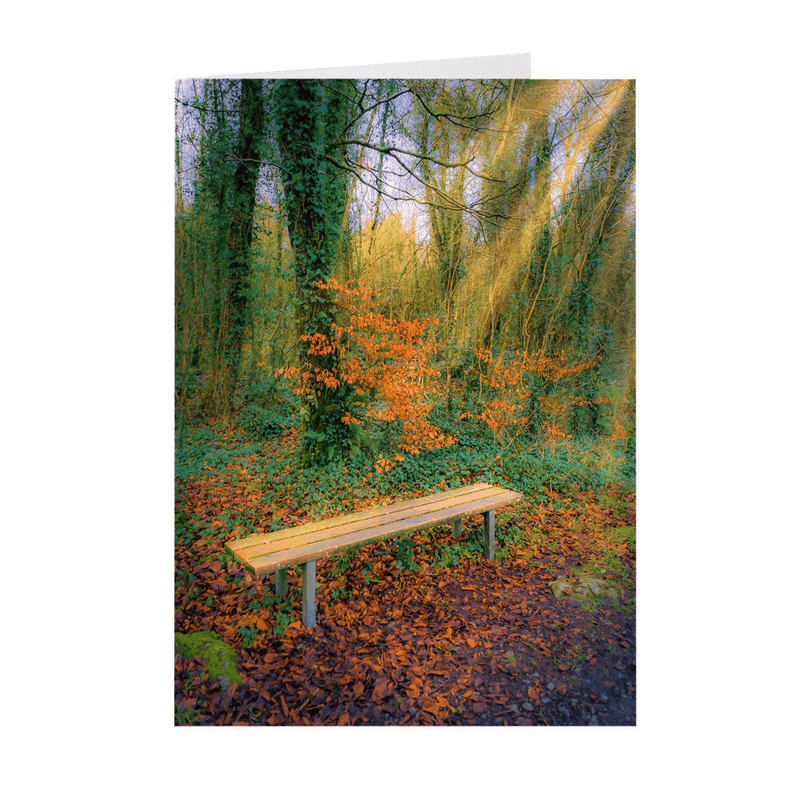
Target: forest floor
[(418, 632)]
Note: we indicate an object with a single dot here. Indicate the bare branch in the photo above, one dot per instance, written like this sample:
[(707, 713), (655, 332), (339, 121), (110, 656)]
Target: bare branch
[(390, 151), (450, 204)]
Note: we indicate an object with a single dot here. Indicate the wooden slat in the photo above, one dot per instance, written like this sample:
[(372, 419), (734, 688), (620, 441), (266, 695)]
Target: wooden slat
[(317, 532), (369, 514), (342, 533), (266, 564)]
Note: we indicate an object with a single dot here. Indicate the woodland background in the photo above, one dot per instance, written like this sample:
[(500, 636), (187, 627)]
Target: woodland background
[(486, 232), (385, 288)]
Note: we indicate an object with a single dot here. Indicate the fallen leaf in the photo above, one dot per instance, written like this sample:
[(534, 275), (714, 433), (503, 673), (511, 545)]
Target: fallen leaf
[(381, 689)]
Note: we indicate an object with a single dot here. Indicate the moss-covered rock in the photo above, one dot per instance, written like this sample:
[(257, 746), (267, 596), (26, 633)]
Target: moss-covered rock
[(219, 657), (584, 587)]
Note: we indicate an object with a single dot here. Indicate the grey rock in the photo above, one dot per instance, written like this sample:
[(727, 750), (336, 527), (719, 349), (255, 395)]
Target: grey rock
[(583, 587)]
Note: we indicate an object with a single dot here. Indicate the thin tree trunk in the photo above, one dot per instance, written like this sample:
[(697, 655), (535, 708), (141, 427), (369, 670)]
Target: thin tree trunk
[(235, 265)]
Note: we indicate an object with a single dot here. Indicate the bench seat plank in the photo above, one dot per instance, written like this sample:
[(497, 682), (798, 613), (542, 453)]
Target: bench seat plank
[(378, 512), (303, 535), (265, 553)]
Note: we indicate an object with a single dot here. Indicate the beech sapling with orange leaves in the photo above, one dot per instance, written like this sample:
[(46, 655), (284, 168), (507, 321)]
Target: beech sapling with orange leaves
[(505, 394), (384, 362)]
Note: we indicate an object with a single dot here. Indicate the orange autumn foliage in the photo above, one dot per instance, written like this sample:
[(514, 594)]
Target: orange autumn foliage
[(385, 362), (505, 391)]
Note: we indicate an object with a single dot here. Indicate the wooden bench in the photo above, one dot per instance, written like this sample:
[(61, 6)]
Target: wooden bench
[(266, 553)]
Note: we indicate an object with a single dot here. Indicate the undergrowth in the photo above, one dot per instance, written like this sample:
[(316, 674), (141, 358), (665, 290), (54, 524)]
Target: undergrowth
[(265, 444)]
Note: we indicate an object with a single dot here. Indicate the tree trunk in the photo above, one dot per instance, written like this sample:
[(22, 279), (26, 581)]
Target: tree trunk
[(308, 117), (235, 255)]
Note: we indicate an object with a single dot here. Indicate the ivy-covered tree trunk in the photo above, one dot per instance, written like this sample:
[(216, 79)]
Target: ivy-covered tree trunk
[(538, 264), (234, 255), (612, 160), (309, 117)]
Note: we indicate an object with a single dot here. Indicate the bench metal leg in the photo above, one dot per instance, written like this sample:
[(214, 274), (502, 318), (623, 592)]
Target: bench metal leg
[(457, 528), (281, 581), (488, 534), (310, 594)]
